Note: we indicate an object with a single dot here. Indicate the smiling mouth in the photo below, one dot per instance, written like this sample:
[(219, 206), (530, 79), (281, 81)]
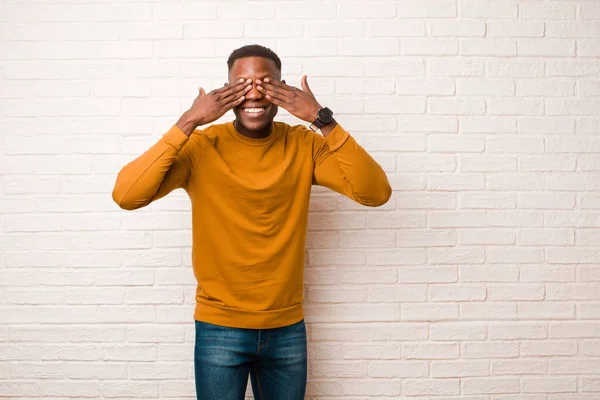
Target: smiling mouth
[(255, 112)]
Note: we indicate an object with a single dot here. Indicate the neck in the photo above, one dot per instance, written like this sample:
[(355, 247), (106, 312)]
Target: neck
[(262, 133)]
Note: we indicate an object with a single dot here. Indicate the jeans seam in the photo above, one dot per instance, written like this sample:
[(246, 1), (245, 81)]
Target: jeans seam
[(260, 392)]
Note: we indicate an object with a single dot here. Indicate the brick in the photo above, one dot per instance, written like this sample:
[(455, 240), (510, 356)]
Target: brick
[(571, 107), (515, 28), (444, 331), (548, 163), (426, 238), (485, 87), (461, 292), (448, 219), (488, 47), (399, 143), (517, 330), (455, 67), (430, 351), (574, 329), (572, 29), (520, 181), (340, 369), (482, 200), (427, 86), (490, 385), (573, 291), (495, 349), (488, 273), (455, 28), (515, 292), (545, 87), (428, 47), (546, 273), (543, 10), (427, 274), (546, 47), (479, 311), (487, 9), (549, 385), (500, 68), (589, 48), (525, 255), (511, 144), (522, 366), (369, 47), (401, 293), (427, 9), (351, 351), (488, 164), (537, 348), (426, 200), (426, 163), (435, 387), (400, 369), (392, 28), (404, 256), (458, 106), (456, 182), (546, 310), (546, 237), (398, 66), (572, 68), (460, 368), (428, 312)]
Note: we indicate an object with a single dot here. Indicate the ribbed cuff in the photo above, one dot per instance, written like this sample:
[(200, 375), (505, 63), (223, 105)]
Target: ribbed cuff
[(175, 137), (337, 137)]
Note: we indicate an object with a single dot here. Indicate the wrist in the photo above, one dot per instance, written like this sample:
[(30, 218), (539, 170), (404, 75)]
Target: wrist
[(187, 123)]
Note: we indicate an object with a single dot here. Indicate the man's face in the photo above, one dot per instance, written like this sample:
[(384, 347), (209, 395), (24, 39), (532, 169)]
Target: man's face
[(256, 112)]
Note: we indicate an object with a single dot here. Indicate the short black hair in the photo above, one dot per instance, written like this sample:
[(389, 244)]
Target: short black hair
[(253, 50)]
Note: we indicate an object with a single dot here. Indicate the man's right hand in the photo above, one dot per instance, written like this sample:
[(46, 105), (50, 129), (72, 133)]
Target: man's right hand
[(207, 108)]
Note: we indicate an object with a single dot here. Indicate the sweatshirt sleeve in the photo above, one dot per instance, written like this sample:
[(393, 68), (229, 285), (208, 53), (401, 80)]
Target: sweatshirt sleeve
[(160, 170), (342, 165)]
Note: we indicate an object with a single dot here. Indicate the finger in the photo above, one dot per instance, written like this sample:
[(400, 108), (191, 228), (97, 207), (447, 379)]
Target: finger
[(272, 95), (276, 91), (233, 103), (201, 92), (236, 92), (281, 86), (233, 91), (304, 84), (227, 87)]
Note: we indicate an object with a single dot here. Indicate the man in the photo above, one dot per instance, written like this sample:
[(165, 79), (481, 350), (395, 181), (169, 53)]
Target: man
[(249, 182)]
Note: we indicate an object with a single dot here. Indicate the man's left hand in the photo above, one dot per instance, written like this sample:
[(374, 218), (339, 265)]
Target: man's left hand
[(301, 103)]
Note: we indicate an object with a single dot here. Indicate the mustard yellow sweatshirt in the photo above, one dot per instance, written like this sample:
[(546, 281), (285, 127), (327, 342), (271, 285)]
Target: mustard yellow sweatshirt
[(249, 201)]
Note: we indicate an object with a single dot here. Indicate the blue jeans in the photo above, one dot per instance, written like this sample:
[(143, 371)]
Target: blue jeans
[(275, 359)]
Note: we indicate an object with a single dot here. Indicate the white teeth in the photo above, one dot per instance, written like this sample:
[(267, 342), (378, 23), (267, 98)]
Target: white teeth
[(254, 110)]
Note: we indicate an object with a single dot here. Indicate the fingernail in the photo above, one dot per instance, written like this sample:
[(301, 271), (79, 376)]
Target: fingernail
[(241, 80), (259, 88), (267, 80), (248, 80)]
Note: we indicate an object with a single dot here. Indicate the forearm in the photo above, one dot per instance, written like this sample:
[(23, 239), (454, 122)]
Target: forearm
[(366, 181), (153, 174)]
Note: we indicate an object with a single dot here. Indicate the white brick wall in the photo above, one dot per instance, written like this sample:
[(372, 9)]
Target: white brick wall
[(479, 280)]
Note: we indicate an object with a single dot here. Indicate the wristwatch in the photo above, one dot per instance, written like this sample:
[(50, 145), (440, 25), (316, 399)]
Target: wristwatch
[(324, 116)]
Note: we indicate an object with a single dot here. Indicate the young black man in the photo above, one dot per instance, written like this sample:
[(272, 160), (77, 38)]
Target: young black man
[(249, 182)]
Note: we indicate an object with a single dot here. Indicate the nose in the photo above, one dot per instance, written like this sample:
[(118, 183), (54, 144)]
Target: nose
[(254, 93)]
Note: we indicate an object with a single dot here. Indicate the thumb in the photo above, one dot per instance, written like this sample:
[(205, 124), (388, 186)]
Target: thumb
[(201, 92), (304, 83)]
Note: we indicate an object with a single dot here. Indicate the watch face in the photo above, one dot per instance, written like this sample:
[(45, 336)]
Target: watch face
[(325, 115)]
